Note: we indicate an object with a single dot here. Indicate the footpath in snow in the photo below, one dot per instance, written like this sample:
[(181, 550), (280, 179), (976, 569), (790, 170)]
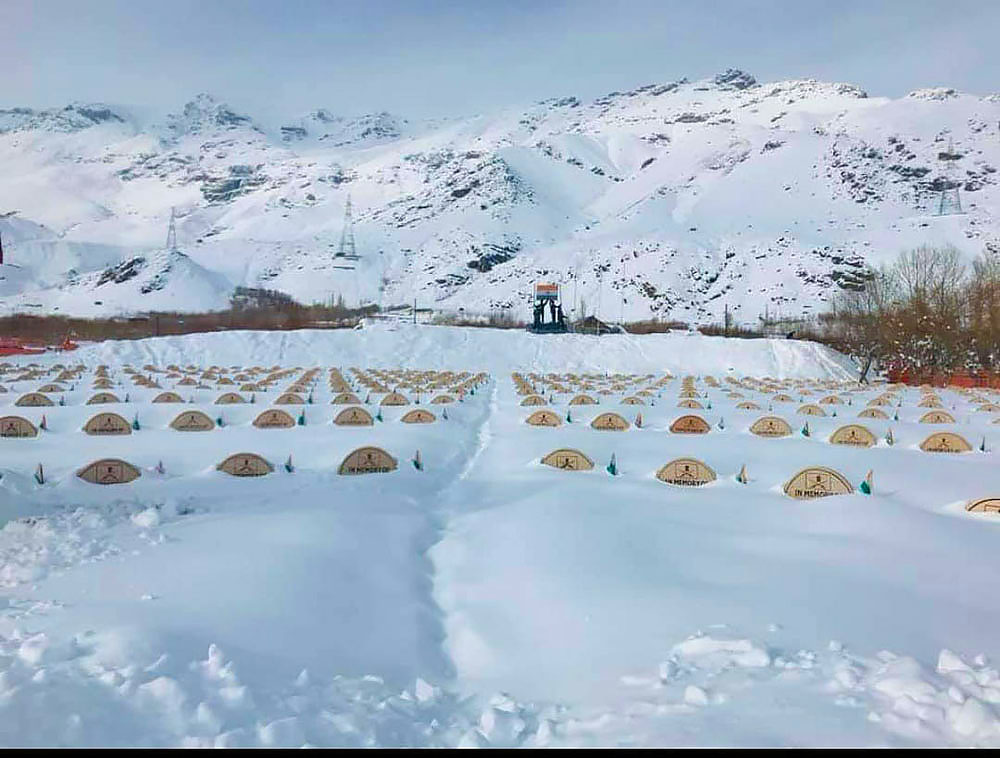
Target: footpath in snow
[(488, 599)]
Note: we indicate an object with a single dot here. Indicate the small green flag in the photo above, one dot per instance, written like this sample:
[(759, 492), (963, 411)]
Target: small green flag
[(867, 484), (805, 430), (613, 466)]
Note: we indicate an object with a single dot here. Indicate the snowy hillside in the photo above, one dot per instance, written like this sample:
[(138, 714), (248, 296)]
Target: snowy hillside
[(672, 199), (485, 598)]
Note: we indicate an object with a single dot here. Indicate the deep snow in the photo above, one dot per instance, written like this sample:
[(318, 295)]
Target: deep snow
[(193, 608)]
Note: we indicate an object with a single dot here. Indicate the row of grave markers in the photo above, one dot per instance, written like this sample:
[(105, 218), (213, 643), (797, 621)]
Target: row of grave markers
[(364, 460), (108, 423), (855, 435), (809, 483)]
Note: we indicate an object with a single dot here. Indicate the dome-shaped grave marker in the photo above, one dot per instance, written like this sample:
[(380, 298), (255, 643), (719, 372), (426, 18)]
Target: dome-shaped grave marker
[(346, 398), (192, 421), (609, 422), (354, 417), (873, 413), (945, 442), (854, 435), (984, 505), (810, 409), (937, 417), (690, 404), (368, 460), (245, 464), (103, 398), (168, 397), (17, 427), (418, 416), (544, 418), (690, 425), (771, 426), (817, 481), (686, 472), (106, 424), (274, 418), (567, 459), (109, 471), (33, 400)]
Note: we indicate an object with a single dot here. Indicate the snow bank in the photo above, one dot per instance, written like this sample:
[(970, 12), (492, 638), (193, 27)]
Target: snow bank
[(498, 351)]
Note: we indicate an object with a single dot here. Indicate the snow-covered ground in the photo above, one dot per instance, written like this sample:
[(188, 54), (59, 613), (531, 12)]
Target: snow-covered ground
[(489, 599)]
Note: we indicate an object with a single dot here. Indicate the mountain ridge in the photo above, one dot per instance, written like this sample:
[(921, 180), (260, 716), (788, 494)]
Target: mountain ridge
[(672, 200)]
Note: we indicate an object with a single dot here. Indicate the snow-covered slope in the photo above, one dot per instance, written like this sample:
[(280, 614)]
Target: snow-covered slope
[(672, 199)]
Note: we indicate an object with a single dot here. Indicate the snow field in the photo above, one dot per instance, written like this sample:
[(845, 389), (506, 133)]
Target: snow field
[(195, 608)]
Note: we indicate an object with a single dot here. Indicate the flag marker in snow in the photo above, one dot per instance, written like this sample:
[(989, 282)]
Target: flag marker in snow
[(613, 466), (40, 474), (867, 485), (889, 439), (982, 445), (805, 430), (126, 397), (444, 413), (160, 469), (378, 415), (310, 398), (722, 423), (638, 420), (253, 398), (62, 400), (288, 465), (45, 424), (302, 419), (135, 422), (368, 399), (741, 477), (417, 463), (569, 417), (219, 420)]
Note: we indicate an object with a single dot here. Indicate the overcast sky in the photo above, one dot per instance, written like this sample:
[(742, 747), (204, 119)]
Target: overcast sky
[(440, 57)]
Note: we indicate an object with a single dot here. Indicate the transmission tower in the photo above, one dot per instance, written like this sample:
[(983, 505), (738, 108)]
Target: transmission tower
[(172, 232), (347, 249), (950, 201)]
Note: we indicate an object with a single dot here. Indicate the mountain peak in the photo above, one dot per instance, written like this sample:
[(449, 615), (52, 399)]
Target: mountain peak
[(734, 78), (205, 111)]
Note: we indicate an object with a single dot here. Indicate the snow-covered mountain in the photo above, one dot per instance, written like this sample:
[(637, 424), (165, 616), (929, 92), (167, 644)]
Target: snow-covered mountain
[(672, 200)]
